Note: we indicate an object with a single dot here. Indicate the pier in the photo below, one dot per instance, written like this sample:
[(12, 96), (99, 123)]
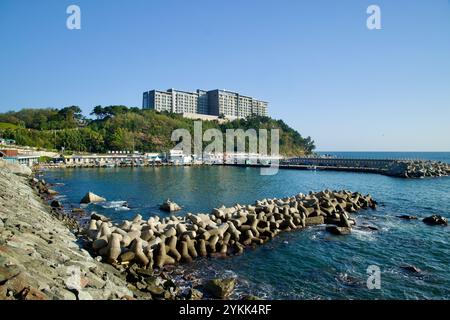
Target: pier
[(388, 167)]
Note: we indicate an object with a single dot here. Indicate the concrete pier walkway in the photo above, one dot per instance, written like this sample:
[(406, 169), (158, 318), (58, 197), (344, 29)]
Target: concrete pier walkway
[(389, 167)]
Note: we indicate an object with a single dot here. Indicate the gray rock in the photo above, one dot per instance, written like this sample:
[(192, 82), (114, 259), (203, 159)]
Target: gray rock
[(15, 168), (63, 294), (83, 295)]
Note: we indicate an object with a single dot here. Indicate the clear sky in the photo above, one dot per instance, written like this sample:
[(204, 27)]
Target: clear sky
[(315, 62)]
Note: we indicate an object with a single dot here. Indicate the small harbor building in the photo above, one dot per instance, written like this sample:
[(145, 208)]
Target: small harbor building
[(13, 156)]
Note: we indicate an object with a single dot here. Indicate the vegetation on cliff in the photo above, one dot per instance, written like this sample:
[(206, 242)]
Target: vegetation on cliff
[(122, 128)]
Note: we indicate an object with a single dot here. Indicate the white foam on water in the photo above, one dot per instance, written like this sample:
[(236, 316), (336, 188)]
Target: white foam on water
[(122, 209), (364, 235), (114, 205)]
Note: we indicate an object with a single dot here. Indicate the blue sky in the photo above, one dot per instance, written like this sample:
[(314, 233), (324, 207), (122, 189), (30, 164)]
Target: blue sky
[(317, 64)]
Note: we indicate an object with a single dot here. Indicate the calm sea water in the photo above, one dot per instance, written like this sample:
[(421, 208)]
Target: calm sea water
[(308, 264)]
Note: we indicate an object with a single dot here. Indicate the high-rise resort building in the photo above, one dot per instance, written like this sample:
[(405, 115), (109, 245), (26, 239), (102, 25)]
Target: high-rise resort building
[(206, 105)]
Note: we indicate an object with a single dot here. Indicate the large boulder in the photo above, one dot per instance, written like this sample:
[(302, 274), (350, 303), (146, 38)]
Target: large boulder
[(91, 197), (169, 206), (220, 288), (15, 168), (435, 220)]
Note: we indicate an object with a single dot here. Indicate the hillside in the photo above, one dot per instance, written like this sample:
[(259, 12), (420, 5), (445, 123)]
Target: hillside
[(122, 128), (4, 126)]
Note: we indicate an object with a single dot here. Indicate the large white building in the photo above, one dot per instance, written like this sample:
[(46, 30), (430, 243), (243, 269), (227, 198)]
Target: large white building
[(215, 103)]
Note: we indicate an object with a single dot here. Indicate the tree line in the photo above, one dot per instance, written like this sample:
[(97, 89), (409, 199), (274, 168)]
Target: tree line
[(122, 128)]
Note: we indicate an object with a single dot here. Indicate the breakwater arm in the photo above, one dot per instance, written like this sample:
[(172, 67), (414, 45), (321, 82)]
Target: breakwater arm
[(395, 168), (154, 242)]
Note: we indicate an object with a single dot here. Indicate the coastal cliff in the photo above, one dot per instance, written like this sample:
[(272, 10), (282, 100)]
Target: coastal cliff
[(39, 255)]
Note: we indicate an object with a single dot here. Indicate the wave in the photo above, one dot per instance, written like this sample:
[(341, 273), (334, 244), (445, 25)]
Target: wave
[(364, 235), (114, 204)]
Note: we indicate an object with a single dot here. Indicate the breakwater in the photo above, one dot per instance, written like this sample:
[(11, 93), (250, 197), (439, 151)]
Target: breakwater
[(155, 242), (394, 168)]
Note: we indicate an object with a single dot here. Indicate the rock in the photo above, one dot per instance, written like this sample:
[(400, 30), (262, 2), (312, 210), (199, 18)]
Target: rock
[(435, 220), (56, 204), (33, 294), (83, 295), (144, 272), (369, 228), (15, 168), (63, 294), (251, 297), (338, 230), (91, 198), (99, 244), (311, 221), (411, 268), (15, 285), (344, 221), (96, 216), (127, 256), (52, 192), (156, 291), (169, 206), (220, 288), (194, 294), (407, 217), (78, 211)]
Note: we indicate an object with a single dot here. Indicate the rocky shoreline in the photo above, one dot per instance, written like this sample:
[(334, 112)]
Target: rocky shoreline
[(40, 258)]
